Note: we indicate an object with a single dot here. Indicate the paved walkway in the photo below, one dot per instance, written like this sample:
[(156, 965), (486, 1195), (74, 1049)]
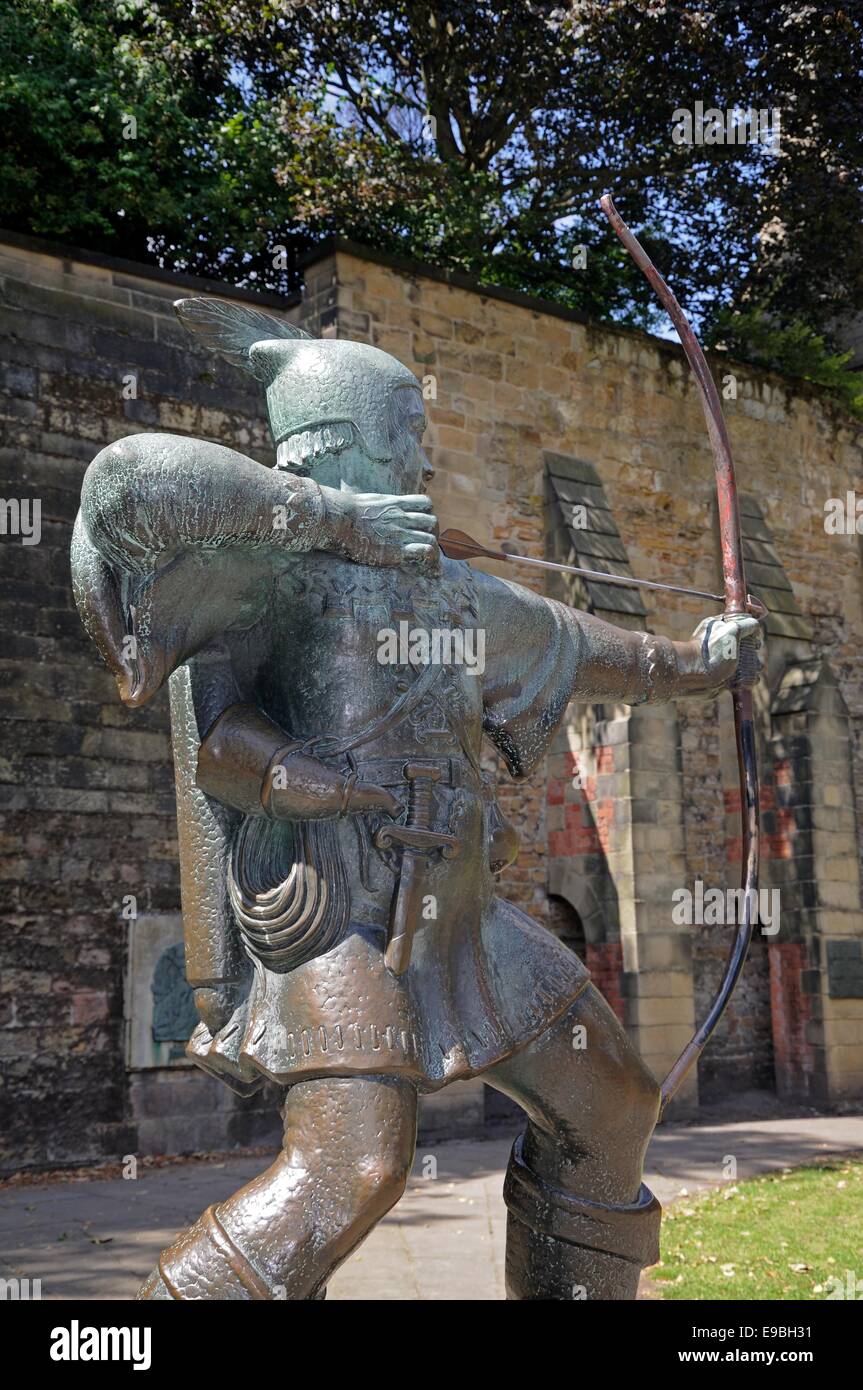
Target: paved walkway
[(445, 1239)]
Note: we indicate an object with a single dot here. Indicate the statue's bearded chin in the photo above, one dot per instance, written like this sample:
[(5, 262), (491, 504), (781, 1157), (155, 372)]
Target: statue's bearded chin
[(353, 470)]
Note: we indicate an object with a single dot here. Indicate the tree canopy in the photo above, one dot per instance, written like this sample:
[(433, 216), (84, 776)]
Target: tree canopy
[(478, 137)]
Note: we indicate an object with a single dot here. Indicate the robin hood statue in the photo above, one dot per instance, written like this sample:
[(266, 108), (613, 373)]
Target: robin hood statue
[(338, 840)]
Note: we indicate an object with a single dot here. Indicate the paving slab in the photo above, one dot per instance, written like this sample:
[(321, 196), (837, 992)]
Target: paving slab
[(97, 1239)]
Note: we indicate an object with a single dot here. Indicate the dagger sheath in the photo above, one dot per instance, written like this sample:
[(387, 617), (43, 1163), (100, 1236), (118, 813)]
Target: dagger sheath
[(418, 841), (406, 909)]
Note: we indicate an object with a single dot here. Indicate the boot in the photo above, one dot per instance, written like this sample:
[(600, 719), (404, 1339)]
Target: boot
[(561, 1246), (204, 1262)]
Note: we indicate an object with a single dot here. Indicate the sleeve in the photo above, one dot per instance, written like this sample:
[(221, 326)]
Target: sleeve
[(206, 831), (176, 542), (540, 654), (149, 494)]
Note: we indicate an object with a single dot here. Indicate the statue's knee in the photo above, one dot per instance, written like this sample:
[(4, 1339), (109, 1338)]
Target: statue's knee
[(626, 1117), (615, 1119), (644, 1098), (383, 1179)]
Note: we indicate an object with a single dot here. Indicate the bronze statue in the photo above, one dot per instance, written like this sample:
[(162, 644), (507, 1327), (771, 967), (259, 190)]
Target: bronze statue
[(339, 842)]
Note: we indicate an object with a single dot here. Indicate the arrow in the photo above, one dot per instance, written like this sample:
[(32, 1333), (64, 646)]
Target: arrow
[(458, 545)]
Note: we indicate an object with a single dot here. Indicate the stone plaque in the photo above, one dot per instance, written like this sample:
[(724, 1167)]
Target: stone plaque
[(160, 1013)]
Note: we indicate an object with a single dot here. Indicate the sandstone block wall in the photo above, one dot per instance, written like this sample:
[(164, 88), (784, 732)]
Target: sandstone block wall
[(510, 383), (91, 351)]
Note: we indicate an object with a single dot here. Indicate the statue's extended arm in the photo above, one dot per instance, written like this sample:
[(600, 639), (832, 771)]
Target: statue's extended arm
[(643, 668), (154, 493), (540, 654), (177, 539)]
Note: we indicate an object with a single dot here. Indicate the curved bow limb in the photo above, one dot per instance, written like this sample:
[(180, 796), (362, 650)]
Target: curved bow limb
[(735, 602)]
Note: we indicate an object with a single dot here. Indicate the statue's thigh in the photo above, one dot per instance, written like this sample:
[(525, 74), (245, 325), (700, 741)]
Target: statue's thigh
[(346, 1155), (582, 1080), (340, 1121)]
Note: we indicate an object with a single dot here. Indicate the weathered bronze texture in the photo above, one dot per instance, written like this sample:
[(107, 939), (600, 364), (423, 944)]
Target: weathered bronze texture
[(339, 840)]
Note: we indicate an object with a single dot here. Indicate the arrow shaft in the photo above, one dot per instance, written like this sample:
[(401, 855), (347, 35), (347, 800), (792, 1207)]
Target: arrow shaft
[(623, 580), (459, 546)]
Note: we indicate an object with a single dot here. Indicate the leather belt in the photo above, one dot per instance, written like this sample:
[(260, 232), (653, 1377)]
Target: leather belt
[(390, 772)]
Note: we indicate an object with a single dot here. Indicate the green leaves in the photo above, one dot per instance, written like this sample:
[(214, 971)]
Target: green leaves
[(478, 138), (122, 133), (794, 349)]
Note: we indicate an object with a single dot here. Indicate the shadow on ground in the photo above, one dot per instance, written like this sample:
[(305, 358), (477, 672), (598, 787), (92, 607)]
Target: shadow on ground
[(444, 1241)]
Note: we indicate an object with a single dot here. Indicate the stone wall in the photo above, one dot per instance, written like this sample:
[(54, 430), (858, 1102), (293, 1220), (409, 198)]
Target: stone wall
[(90, 352), (512, 382)]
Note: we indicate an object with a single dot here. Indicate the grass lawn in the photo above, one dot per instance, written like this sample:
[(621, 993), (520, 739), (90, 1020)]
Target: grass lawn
[(784, 1235)]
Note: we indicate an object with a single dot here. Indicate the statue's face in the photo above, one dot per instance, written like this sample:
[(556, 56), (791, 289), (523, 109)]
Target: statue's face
[(413, 472), (407, 471)]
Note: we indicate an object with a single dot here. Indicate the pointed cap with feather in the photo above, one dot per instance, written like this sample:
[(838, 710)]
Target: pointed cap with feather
[(310, 382)]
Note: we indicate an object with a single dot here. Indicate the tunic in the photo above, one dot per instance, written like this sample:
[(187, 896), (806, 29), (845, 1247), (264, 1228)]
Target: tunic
[(484, 979), (180, 575)]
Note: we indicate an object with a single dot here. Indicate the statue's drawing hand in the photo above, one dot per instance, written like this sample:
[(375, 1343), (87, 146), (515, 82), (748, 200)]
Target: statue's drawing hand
[(732, 650), (384, 529), (367, 797), (216, 1004), (304, 787)]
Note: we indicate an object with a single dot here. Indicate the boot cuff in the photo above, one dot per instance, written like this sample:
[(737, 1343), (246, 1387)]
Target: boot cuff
[(630, 1231)]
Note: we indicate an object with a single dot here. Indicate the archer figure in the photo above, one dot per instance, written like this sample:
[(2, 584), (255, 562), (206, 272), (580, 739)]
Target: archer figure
[(339, 843)]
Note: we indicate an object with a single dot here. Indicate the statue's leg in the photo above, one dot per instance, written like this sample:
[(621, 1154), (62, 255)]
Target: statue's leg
[(580, 1223), (348, 1148)]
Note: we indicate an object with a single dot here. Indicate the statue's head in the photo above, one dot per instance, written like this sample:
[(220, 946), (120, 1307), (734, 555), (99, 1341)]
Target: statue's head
[(345, 413)]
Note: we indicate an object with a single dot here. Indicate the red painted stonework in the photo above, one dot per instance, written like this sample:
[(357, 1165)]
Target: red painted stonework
[(776, 844), (604, 759), (565, 844), (766, 798), (604, 960), (555, 793), (791, 1010), (605, 822)]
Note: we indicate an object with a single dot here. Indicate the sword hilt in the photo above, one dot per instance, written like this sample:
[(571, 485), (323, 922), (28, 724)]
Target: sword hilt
[(415, 837), (416, 833), (420, 779)]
